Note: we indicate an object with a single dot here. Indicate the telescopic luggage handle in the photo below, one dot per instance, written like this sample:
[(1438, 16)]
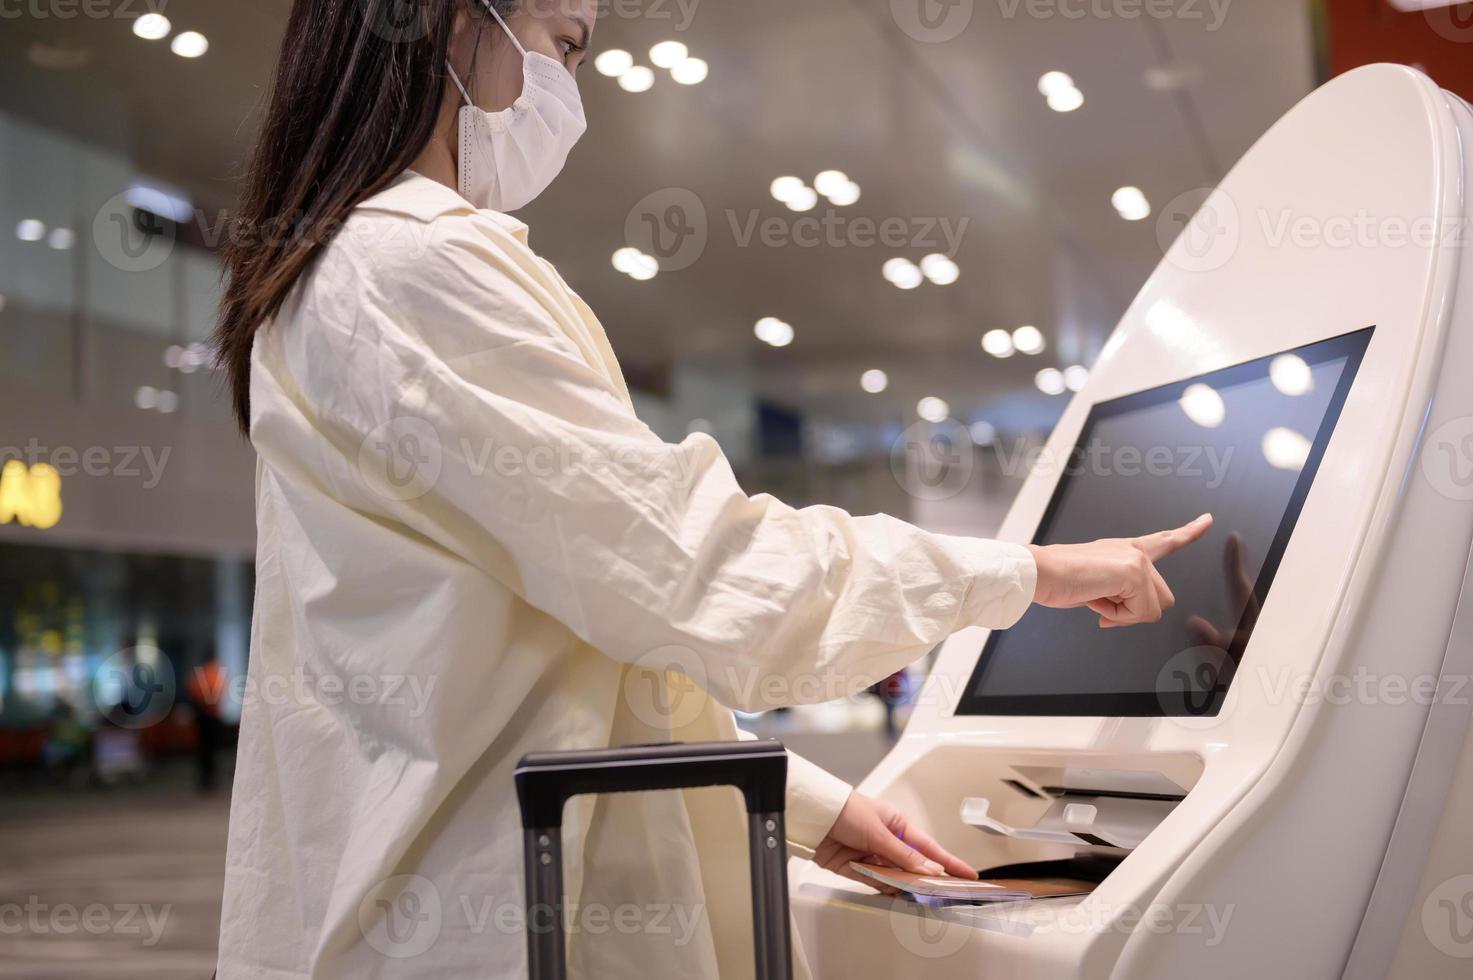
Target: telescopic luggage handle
[(546, 780)]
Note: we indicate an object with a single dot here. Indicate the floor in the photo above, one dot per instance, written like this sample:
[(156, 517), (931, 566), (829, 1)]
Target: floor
[(122, 885), (125, 884)]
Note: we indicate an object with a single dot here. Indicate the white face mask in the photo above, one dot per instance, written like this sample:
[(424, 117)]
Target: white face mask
[(509, 157)]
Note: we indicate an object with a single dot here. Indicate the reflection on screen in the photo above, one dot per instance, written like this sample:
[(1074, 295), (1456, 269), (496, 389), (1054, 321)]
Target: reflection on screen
[(1242, 443)]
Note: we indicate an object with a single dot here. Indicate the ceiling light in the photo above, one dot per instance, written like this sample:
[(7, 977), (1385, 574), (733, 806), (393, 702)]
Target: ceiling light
[(771, 330), (1075, 376), (637, 79), (874, 381), (61, 239), (1203, 405), (1050, 381), (613, 62), (668, 54), (172, 355), (902, 273), (998, 343), (164, 201), (1054, 81), (933, 409), (1131, 203), (146, 397), (30, 230), (982, 433), (168, 401), (1028, 339), (635, 264), (152, 27), (1065, 100), (1290, 374), (805, 199), (844, 196), (190, 44), (940, 269), (645, 268), (830, 181), (626, 258), (786, 188), (691, 71)]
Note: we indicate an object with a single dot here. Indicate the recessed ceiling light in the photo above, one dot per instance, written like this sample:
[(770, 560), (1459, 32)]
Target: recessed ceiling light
[(771, 330), (874, 381), (30, 230), (668, 54), (902, 273), (1028, 339), (190, 44), (61, 239), (1075, 376), (613, 62), (805, 199), (1131, 203), (844, 196), (830, 181), (635, 264), (1290, 374), (983, 433), (691, 71), (786, 188), (933, 409), (146, 397), (1065, 100), (1054, 81), (1050, 381), (637, 79), (1285, 449), (167, 402), (152, 27), (940, 269), (998, 343)]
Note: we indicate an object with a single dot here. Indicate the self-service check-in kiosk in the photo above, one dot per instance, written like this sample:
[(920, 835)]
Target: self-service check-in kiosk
[(1276, 780)]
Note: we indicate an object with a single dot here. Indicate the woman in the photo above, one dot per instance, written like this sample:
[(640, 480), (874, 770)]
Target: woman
[(470, 548)]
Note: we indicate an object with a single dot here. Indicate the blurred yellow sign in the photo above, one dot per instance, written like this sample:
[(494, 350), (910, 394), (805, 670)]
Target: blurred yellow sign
[(30, 495)]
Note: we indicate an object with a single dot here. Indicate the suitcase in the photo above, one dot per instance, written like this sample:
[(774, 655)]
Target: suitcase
[(545, 781)]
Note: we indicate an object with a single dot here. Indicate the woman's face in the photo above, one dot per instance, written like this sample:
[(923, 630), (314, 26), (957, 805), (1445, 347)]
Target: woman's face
[(489, 64)]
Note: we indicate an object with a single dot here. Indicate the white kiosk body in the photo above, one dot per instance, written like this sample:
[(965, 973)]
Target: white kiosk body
[(1287, 791)]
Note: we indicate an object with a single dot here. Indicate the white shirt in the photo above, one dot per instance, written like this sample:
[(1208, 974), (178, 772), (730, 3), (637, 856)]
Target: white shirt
[(469, 548)]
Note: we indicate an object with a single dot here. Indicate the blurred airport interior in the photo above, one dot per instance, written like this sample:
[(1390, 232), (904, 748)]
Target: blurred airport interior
[(870, 246)]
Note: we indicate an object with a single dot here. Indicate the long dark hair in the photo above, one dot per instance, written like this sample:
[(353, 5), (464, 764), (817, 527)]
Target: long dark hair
[(357, 93)]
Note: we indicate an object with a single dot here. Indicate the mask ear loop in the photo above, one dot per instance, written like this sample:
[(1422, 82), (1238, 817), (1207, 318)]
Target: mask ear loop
[(489, 5)]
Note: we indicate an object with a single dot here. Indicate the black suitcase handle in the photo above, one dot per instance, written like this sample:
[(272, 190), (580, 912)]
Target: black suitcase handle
[(546, 780)]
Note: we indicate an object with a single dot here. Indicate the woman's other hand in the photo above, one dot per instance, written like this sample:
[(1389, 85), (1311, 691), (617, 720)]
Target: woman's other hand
[(1114, 577), (874, 832)]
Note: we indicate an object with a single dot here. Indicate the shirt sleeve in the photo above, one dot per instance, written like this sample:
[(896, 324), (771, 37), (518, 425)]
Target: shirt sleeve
[(463, 407)]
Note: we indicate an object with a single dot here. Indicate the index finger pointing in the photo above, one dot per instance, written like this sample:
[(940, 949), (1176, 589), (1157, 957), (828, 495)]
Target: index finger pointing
[(1162, 543)]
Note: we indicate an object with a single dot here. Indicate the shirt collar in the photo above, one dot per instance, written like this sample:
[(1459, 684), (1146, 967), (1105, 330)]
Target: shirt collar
[(424, 199)]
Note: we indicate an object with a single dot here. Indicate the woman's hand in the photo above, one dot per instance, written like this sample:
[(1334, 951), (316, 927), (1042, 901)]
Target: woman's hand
[(1115, 577), (874, 832)]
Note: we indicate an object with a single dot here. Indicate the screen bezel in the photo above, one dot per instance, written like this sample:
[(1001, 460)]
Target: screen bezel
[(1352, 346)]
